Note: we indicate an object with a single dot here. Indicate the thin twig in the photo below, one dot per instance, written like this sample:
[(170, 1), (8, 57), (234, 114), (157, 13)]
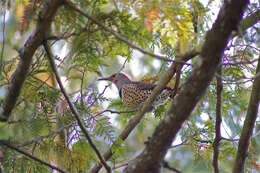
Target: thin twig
[(81, 88), (31, 156), (240, 78), (256, 134), (182, 143), (73, 108), (239, 63), (44, 82), (46, 136), (249, 123), (113, 112), (203, 141), (120, 166), (98, 97), (15, 121), (3, 44), (218, 121), (123, 66), (114, 2), (167, 166), (231, 140), (64, 37), (32, 153), (119, 37)]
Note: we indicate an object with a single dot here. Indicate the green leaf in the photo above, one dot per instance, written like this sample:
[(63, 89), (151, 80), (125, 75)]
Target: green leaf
[(4, 131)]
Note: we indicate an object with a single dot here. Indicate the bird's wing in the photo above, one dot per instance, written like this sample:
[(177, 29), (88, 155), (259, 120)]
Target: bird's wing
[(144, 86), (148, 86)]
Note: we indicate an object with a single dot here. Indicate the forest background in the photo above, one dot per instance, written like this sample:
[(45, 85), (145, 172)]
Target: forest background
[(57, 116)]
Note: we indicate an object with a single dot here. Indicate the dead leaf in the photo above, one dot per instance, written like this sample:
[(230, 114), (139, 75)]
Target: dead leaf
[(151, 17)]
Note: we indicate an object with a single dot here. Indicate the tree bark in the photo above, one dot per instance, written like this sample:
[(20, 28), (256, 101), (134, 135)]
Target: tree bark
[(26, 54), (218, 121), (249, 123), (194, 88)]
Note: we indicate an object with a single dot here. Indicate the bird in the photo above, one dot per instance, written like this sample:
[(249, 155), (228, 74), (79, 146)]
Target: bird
[(134, 93)]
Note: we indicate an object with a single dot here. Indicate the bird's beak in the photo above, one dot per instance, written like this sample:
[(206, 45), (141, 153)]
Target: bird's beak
[(104, 78)]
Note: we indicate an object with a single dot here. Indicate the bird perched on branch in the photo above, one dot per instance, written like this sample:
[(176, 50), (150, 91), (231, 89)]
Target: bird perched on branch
[(133, 94)]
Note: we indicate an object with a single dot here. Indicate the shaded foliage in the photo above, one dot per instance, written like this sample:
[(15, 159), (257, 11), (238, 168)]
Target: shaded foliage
[(84, 51)]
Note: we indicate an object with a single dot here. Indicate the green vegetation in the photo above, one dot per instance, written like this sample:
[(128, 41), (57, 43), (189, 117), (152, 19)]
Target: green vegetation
[(42, 123)]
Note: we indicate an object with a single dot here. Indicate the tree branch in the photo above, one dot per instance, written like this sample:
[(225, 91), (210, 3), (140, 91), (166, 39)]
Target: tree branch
[(3, 44), (73, 108), (113, 112), (31, 156), (119, 37), (218, 121), (194, 88), (249, 123), (26, 53), (147, 104), (249, 21), (181, 144), (239, 63), (46, 136), (45, 82), (166, 165), (177, 80)]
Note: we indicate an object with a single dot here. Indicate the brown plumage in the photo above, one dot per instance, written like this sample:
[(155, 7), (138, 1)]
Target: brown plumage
[(133, 94)]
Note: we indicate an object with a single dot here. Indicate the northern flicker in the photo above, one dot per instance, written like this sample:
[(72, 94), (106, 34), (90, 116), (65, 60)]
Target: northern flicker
[(133, 94)]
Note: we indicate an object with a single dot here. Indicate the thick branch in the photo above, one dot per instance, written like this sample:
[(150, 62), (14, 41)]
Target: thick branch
[(248, 126), (192, 91), (147, 104), (26, 53), (73, 108), (31, 156), (218, 121)]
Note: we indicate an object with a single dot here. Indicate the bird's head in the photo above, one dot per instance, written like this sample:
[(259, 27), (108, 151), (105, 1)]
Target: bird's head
[(116, 78)]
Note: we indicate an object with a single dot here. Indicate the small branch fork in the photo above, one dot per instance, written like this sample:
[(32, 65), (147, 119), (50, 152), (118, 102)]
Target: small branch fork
[(31, 156), (72, 107), (218, 121), (119, 37)]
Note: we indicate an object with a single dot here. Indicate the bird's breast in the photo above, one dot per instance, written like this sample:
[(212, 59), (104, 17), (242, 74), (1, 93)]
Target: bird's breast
[(132, 96)]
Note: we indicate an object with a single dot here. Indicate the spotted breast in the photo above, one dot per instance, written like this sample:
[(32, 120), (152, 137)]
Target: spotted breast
[(135, 93)]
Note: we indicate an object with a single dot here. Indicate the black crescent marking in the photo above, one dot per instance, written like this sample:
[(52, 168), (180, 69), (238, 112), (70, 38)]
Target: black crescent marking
[(120, 93)]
